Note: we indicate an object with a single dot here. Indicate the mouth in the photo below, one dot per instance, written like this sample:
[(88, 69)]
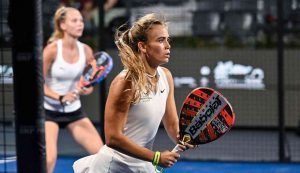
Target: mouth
[(167, 54)]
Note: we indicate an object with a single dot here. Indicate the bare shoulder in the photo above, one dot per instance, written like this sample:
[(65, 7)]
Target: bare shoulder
[(121, 82), (50, 51), (87, 48), (120, 91), (167, 72), (88, 52)]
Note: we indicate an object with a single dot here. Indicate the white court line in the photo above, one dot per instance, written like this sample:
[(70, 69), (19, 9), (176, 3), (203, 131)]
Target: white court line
[(8, 159)]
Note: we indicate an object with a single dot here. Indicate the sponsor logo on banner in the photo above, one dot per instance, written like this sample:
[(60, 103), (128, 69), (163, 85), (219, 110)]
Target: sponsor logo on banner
[(226, 75), (6, 74)]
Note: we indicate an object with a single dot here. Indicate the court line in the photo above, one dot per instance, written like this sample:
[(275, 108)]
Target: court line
[(8, 159)]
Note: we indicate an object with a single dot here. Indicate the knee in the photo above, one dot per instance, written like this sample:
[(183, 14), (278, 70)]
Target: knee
[(51, 160)]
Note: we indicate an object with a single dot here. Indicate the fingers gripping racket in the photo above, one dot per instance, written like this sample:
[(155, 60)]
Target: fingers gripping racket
[(205, 116), (96, 71)]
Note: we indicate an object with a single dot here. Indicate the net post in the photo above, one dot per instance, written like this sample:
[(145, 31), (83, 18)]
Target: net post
[(102, 86), (25, 22)]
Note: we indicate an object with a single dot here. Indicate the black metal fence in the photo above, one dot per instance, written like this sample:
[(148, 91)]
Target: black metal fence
[(229, 45)]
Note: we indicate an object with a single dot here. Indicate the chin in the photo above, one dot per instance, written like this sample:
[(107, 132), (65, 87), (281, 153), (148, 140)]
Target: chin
[(165, 61)]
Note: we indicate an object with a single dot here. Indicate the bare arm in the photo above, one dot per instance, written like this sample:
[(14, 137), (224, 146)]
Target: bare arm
[(49, 54), (170, 119)]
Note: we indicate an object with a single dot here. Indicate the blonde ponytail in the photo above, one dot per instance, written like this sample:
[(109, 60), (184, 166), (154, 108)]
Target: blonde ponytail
[(127, 43)]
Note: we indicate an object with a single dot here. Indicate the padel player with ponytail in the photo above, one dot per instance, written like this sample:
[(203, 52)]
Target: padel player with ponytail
[(64, 59), (140, 97)]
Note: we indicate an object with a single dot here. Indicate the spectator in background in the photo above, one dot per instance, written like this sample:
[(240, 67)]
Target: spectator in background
[(87, 9)]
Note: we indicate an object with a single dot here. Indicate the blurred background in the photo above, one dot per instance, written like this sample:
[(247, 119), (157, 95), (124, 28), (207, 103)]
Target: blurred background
[(229, 45)]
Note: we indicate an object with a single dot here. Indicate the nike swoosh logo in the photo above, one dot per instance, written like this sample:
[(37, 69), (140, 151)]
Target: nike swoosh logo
[(161, 91)]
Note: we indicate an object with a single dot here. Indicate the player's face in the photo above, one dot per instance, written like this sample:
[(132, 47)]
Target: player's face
[(73, 24), (158, 45)]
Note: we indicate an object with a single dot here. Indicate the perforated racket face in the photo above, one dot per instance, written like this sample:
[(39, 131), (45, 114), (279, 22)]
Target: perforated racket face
[(86, 78), (97, 70), (104, 64), (87, 73), (205, 116)]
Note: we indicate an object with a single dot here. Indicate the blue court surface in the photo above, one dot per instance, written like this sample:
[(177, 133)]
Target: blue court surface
[(64, 165)]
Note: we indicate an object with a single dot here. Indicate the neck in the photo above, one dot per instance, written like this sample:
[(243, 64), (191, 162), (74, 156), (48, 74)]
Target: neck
[(151, 75), (70, 42)]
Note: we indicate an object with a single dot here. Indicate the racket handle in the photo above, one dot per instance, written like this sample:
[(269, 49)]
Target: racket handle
[(75, 92), (176, 149)]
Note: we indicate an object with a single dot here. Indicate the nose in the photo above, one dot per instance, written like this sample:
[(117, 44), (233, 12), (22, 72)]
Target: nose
[(81, 23), (167, 45)]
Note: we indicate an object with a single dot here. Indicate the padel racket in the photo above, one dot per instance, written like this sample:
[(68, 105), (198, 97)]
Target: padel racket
[(205, 116), (96, 70)]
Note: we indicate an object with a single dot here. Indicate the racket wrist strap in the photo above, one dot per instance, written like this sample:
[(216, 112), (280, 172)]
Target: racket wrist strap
[(156, 158), (60, 98)]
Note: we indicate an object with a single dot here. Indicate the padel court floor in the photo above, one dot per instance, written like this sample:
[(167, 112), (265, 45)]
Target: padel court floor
[(64, 165), (236, 152)]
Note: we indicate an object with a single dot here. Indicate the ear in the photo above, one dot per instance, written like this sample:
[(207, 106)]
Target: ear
[(62, 26), (142, 47)]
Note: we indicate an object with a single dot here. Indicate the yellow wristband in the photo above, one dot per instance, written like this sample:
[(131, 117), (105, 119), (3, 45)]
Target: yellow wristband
[(156, 158)]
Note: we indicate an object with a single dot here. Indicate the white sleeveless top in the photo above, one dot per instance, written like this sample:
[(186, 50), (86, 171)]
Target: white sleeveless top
[(141, 127), (63, 78), (144, 117)]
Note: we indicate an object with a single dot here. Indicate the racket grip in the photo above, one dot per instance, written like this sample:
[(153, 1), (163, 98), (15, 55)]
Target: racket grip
[(176, 149), (76, 91)]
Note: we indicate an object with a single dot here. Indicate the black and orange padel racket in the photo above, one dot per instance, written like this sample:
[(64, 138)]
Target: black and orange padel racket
[(205, 116)]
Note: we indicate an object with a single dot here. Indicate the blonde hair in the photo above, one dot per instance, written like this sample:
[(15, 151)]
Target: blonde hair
[(127, 43), (59, 17)]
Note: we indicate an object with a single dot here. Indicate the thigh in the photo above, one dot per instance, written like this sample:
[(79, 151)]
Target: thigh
[(51, 136), (85, 134)]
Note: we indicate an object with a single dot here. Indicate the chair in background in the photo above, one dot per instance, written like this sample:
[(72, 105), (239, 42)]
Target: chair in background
[(240, 20), (207, 19)]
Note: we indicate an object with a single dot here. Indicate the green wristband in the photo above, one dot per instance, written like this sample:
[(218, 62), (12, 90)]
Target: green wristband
[(156, 158)]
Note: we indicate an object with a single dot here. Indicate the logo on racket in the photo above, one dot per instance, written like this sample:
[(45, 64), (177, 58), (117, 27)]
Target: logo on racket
[(205, 115)]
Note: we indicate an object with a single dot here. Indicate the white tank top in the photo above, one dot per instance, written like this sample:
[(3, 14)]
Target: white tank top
[(63, 77), (145, 117)]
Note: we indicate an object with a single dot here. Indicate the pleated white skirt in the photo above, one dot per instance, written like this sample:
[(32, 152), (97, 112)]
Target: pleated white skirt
[(108, 160)]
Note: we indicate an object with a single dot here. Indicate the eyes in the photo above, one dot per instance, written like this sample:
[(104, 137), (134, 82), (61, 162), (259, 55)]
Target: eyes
[(75, 20), (164, 39)]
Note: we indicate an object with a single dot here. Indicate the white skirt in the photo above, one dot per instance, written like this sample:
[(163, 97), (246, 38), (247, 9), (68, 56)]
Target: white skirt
[(108, 160)]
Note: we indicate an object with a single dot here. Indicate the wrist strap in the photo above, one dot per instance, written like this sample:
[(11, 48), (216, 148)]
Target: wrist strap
[(60, 99), (156, 158)]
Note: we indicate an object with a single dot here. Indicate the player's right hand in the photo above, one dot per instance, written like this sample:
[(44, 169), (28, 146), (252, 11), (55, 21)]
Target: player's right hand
[(168, 158)]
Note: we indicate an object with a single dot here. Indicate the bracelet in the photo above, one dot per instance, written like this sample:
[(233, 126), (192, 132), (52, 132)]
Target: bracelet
[(156, 158)]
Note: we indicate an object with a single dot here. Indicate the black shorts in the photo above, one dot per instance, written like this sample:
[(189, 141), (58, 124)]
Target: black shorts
[(62, 118)]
